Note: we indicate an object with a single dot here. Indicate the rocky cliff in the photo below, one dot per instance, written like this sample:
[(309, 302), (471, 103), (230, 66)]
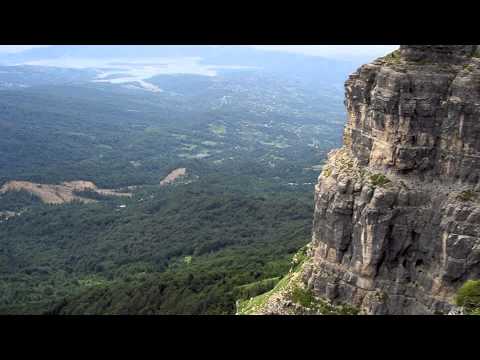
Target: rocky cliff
[(396, 226)]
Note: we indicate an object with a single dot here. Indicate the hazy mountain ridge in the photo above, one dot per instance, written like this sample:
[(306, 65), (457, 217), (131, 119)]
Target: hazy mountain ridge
[(311, 68)]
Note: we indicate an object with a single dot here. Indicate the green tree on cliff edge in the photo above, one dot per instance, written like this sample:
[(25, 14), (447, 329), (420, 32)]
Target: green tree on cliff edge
[(468, 297)]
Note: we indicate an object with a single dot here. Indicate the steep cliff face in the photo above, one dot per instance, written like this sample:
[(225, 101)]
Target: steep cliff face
[(417, 112), (397, 209)]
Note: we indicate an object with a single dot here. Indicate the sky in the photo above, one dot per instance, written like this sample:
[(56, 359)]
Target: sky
[(17, 48), (333, 51), (330, 51)]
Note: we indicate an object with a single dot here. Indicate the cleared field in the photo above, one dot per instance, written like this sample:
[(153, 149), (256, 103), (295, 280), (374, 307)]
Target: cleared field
[(59, 194), (173, 176)]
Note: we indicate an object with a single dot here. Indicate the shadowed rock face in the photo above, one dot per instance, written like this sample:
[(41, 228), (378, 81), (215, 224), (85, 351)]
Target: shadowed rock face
[(437, 53), (397, 215)]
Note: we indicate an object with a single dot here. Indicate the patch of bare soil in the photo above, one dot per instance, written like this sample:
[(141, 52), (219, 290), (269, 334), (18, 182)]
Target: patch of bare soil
[(59, 194), (174, 175)]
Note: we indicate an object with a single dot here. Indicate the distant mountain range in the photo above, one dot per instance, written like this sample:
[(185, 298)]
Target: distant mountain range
[(314, 69)]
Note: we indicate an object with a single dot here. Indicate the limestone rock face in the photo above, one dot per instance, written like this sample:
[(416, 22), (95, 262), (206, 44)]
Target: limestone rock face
[(419, 115), (397, 210), (437, 53)]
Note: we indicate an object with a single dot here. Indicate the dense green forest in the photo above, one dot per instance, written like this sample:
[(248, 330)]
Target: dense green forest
[(252, 145), (186, 243)]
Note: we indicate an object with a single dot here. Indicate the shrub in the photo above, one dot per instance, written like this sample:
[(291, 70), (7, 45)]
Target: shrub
[(379, 180), (307, 299), (299, 258), (327, 172), (468, 67), (393, 57), (467, 195), (303, 297), (348, 310), (468, 296), (475, 312)]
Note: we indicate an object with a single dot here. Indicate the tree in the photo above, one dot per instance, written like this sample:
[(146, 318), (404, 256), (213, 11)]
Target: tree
[(468, 296)]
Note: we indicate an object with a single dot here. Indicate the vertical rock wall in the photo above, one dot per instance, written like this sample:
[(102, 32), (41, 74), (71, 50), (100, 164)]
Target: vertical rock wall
[(397, 208)]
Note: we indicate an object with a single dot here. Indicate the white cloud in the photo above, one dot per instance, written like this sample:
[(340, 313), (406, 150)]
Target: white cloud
[(333, 51), (18, 48)]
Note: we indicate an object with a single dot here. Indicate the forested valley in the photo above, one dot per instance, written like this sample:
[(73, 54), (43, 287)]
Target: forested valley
[(252, 145)]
